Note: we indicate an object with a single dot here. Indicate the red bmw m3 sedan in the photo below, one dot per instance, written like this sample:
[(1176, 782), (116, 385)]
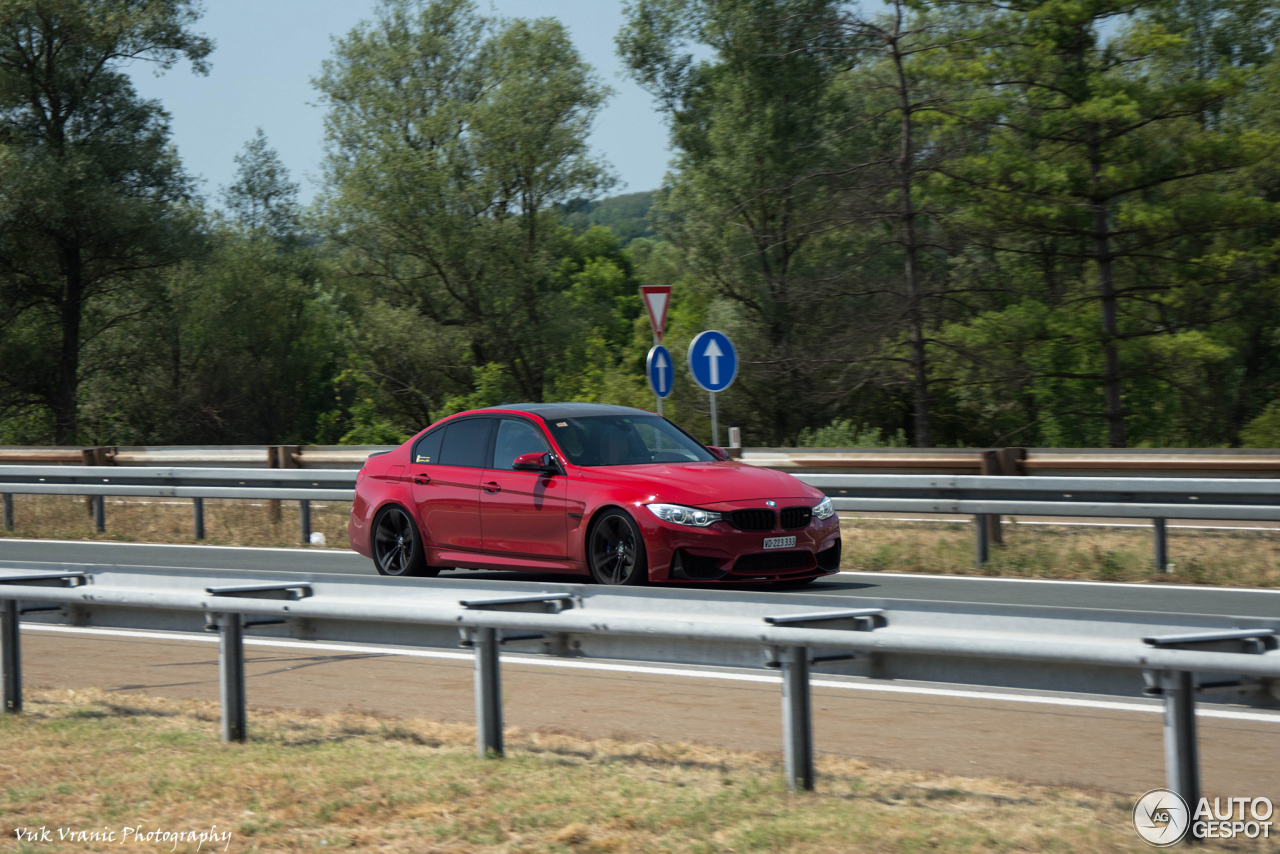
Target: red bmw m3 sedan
[(615, 493)]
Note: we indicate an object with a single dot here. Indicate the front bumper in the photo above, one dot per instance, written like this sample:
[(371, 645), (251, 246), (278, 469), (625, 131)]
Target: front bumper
[(720, 552)]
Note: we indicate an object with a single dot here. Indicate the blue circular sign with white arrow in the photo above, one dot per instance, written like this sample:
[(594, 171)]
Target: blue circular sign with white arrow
[(661, 370), (713, 361)]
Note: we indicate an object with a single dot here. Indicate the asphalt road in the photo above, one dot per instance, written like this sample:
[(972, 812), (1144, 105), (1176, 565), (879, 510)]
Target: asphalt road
[(1159, 598)]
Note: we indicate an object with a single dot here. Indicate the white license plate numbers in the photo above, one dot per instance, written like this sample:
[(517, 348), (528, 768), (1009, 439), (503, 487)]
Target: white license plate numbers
[(779, 542)]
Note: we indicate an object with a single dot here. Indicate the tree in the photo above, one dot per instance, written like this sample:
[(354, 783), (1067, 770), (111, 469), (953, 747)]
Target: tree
[(454, 142), (896, 99), (1102, 157), (248, 342), (749, 201), (94, 201), (262, 198)]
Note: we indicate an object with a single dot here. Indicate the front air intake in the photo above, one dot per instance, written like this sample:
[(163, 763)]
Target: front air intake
[(771, 562)]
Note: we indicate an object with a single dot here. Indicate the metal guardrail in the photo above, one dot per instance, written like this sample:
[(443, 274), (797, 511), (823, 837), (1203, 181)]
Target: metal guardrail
[(667, 625), (987, 498), (983, 497), (301, 485), (279, 484)]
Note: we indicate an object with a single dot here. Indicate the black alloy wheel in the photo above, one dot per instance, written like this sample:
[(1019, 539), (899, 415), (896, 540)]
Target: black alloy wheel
[(397, 547), (615, 552)]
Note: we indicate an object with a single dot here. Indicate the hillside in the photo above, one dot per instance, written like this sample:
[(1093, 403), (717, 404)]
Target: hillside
[(627, 215)]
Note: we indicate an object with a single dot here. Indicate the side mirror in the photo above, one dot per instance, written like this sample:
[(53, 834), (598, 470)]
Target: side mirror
[(718, 452), (542, 462)]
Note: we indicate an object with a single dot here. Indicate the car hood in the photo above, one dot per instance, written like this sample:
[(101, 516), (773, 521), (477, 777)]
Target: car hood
[(703, 483)]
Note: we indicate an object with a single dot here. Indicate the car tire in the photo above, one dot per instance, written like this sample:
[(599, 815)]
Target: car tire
[(615, 550), (398, 549)]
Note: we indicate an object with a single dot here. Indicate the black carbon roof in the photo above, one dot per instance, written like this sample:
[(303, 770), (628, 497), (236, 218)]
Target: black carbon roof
[(571, 410)]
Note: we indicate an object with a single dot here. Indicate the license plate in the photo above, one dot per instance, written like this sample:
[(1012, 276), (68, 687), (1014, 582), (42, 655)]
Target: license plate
[(779, 542)]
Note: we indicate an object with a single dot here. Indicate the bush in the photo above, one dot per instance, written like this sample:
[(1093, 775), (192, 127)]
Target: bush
[(842, 433), (1263, 431)]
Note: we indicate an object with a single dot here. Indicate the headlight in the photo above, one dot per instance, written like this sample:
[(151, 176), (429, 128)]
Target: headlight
[(683, 515), (824, 510)]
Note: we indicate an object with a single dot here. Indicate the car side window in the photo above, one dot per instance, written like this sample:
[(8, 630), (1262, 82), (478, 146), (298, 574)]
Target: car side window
[(516, 437), (426, 451), (466, 443)]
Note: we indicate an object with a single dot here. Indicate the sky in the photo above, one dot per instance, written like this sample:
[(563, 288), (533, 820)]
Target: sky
[(267, 52)]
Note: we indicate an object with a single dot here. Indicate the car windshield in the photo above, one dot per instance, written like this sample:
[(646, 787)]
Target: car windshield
[(625, 440)]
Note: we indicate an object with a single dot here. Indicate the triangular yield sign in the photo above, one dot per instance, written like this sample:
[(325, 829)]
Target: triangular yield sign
[(657, 299)]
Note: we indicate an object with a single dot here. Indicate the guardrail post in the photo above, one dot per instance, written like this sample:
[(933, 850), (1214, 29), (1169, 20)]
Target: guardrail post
[(231, 676), (488, 693), (1161, 545), (981, 546), (197, 518), (1181, 762), (797, 717), (11, 651), (8, 511), (304, 521), (99, 504)]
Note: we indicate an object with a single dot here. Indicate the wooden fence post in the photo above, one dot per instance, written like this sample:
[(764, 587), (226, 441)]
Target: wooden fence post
[(1004, 462), (280, 457), (97, 504), (273, 504), (991, 466)]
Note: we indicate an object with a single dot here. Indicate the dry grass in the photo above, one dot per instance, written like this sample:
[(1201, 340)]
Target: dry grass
[(1231, 558), (88, 760), (227, 522)]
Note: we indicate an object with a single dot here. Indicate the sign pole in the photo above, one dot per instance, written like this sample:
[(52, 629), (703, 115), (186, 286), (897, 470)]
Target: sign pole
[(713, 364), (656, 342), (715, 425)]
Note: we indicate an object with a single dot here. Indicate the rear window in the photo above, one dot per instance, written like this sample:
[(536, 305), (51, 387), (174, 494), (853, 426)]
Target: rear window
[(426, 451), (466, 443)]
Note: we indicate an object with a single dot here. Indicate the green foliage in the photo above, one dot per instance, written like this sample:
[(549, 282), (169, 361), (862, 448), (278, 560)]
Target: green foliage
[(627, 216), (843, 433), (938, 222), (244, 344), (95, 201), (1263, 431), (262, 198), (455, 141), (752, 123), (369, 428), (492, 386), (1098, 196)]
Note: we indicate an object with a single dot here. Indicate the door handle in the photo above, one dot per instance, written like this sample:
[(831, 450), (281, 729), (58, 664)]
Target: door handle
[(422, 479), (492, 487)]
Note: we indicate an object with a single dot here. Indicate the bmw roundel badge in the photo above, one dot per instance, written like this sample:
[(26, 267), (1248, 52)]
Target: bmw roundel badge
[(771, 503)]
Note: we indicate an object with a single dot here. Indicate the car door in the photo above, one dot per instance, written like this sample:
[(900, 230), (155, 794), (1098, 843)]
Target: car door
[(523, 513), (446, 474)]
